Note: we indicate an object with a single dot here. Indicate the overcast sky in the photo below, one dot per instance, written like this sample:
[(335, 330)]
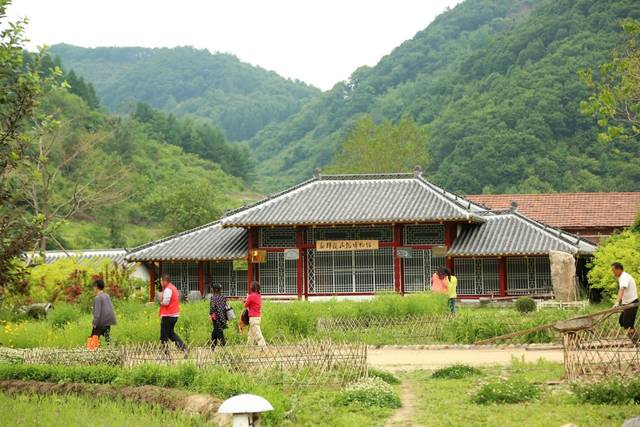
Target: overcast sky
[(320, 42)]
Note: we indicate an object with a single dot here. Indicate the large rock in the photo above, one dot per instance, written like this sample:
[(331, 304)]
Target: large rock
[(563, 276)]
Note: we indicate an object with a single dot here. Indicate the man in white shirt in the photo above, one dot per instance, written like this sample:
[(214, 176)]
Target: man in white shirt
[(627, 294)]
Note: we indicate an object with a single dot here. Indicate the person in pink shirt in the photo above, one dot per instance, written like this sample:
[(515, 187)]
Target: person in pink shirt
[(440, 281), (253, 305)]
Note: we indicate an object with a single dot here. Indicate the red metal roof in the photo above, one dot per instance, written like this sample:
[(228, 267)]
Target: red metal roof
[(567, 210)]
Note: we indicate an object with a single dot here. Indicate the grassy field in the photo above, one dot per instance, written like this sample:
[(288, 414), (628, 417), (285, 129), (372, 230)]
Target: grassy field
[(68, 326), (64, 411), (447, 402)]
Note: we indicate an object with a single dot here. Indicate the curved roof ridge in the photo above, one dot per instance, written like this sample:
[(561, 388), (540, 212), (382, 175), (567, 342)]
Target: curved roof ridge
[(172, 236)]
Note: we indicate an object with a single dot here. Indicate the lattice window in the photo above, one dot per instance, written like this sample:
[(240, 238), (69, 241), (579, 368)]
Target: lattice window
[(477, 276), (426, 234), (350, 271), (278, 276), (184, 276), (382, 234), (278, 237), (418, 270), (234, 282), (528, 275)]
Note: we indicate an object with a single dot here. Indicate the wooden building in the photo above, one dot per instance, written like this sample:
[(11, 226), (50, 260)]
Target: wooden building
[(362, 234)]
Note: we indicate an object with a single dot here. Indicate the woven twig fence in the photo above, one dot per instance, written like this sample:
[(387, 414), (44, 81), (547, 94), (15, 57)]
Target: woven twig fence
[(425, 327), (305, 362), (600, 348)]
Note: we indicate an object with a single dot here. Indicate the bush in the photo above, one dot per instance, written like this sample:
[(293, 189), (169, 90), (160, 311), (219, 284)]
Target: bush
[(624, 248), (369, 392), (456, 372), (506, 391), (385, 376), (63, 314), (525, 305), (610, 392)]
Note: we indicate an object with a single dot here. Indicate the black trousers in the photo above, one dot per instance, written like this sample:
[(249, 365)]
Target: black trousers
[(628, 317), (217, 336), (167, 325), (105, 331)]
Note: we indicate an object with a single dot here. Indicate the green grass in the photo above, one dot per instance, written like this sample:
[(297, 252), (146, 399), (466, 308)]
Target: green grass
[(139, 322), (306, 406), (63, 411), (449, 401)]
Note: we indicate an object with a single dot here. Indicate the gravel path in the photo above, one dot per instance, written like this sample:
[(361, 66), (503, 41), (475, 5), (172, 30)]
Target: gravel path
[(410, 359)]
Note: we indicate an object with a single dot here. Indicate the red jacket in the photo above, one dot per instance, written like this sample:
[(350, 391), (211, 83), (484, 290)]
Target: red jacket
[(173, 309), (253, 304)]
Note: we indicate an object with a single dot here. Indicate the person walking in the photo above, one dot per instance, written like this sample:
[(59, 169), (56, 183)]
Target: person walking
[(169, 314), (253, 304), (104, 317), (218, 314), (453, 291), (627, 294)]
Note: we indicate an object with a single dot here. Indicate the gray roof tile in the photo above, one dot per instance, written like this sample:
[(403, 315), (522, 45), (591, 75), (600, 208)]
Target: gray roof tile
[(509, 233), (209, 242), (357, 199)]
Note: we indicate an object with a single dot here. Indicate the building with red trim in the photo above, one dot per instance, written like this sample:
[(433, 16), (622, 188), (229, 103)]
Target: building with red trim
[(592, 216), (336, 235)]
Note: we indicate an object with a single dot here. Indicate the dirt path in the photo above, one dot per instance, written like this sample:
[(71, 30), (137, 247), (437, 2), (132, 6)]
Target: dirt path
[(406, 414), (409, 359)]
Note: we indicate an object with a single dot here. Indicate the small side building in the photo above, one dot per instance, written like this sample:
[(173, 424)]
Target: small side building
[(345, 235), (592, 216)]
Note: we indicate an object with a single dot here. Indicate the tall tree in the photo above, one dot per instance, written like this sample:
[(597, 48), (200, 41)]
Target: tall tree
[(21, 88), (383, 147), (71, 177), (615, 101)]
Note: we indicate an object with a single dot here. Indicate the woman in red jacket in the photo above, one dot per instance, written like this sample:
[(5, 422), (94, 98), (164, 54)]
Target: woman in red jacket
[(253, 305)]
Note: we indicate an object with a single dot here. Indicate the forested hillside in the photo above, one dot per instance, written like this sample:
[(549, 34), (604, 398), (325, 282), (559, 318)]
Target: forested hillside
[(101, 180), (496, 83), (238, 98)]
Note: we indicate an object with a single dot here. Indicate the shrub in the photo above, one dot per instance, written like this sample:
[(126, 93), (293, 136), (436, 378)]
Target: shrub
[(63, 314), (623, 247), (525, 305), (385, 376), (456, 372), (369, 392), (506, 391), (610, 392)]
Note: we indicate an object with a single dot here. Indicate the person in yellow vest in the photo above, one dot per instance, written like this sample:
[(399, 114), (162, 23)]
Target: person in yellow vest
[(452, 291)]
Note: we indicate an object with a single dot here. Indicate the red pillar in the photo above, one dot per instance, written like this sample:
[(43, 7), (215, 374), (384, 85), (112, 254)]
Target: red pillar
[(397, 238), (201, 277), (502, 276), (449, 235), (152, 282), (300, 263)]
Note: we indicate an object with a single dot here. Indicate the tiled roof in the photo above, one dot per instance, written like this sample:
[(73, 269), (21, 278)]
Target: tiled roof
[(209, 242), (510, 233), (566, 210), (115, 255), (357, 199)]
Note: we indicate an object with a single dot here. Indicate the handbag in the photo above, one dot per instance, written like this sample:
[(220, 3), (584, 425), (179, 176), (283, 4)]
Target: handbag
[(93, 342), (228, 310), (245, 316)]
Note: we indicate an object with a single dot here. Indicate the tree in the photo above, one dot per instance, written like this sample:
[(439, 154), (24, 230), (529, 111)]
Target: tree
[(70, 177), (615, 101), (21, 88), (384, 147)]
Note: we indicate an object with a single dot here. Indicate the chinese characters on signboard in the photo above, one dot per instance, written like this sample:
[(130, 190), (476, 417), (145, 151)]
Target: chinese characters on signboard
[(346, 245)]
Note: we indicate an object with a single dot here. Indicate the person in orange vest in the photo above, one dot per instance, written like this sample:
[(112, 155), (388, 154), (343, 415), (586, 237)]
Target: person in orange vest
[(440, 281), (169, 314)]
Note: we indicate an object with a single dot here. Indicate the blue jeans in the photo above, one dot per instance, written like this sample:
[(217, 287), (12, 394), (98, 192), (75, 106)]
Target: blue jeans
[(452, 305)]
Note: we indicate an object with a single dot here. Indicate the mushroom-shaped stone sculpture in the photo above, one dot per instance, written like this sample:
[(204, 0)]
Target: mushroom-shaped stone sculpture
[(245, 409)]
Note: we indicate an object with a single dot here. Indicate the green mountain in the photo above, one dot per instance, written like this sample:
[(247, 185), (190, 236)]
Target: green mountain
[(495, 83), (237, 97)]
